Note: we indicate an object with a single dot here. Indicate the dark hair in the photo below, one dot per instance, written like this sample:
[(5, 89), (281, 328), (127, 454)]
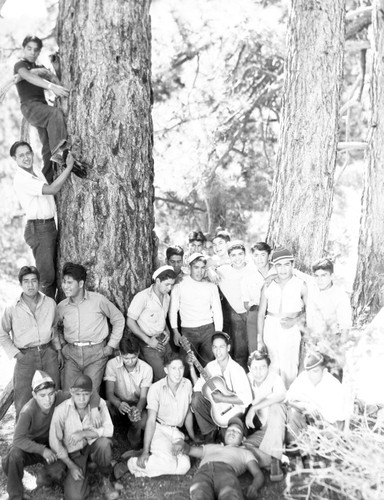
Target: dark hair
[(261, 246), (235, 245), (258, 356), (76, 271), (44, 385), (28, 270), (176, 250), (166, 275), (173, 356), (129, 345), (323, 264), (32, 38), (224, 235), (196, 236), (16, 145), (221, 335)]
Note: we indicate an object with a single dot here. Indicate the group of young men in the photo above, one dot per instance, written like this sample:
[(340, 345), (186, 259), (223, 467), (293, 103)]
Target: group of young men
[(209, 367)]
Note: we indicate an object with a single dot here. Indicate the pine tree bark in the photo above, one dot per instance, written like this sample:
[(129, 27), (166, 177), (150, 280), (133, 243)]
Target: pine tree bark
[(106, 221), (369, 280), (303, 184)]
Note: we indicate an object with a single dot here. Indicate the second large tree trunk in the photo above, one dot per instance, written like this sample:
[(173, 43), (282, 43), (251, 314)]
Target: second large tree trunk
[(369, 281), (106, 221), (303, 185)]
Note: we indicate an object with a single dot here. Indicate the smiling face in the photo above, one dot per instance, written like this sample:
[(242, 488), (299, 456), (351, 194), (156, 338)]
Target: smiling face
[(284, 269), (71, 287), (220, 247), (24, 157), (233, 436), (237, 258), (31, 52), (323, 279), (30, 285), (45, 398), (175, 371), (197, 270), (220, 349)]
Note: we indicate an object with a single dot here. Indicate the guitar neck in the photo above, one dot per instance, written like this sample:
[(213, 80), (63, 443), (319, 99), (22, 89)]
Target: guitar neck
[(187, 347)]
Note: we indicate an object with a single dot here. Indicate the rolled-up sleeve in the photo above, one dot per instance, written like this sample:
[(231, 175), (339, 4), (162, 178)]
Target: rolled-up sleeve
[(174, 306), (117, 321), (56, 433)]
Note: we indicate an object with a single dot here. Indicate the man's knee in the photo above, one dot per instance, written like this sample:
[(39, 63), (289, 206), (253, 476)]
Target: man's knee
[(197, 491), (197, 400)]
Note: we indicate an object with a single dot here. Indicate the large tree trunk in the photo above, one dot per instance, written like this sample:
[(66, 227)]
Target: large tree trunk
[(369, 281), (303, 185), (106, 221)]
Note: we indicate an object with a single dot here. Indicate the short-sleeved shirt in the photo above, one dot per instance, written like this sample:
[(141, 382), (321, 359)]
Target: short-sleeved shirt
[(231, 285), (128, 384), (331, 308), (149, 312), (29, 191), (171, 409), (28, 91), (272, 384), (237, 457)]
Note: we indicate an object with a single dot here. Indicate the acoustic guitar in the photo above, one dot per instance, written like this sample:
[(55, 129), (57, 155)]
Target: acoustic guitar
[(221, 413)]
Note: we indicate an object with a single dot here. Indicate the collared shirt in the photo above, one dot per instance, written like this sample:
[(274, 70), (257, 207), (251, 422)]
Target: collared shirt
[(29, 191), (331, 309), (327, 397), (171, 409), (87, 321), (234, 376), (66, 421), (271, 385), (198, 303), (149, 312), (128, 384), (20, 328)]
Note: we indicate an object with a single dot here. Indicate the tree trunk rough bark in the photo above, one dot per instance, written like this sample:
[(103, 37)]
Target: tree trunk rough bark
[(303, 185), (369, 281), (106, 221)]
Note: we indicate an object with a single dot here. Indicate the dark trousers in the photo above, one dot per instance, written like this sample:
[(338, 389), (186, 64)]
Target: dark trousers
[(154, 358), (42, 238), (202, 409), (15, 462), (32, 360), (51, 127), (252, 328), (200, 338), (135, 429), (215, 480), (100, 452), (235, 324)]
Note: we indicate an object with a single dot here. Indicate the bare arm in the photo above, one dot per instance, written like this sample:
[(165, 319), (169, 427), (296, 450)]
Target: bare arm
[(189, 425), (261, 315), (58, 183), (142, 403), (258, 479), (37, 80), (148, 435)]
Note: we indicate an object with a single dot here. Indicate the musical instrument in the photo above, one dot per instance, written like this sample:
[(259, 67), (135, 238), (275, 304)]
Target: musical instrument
[(221, 413)]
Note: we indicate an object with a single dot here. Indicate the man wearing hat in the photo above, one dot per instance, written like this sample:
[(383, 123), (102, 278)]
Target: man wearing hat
[(27, 334), (74, 439), (315, 395), (281, 312), (220, 466), (231, 279), (198, 303), (31, 437), (146, 319)]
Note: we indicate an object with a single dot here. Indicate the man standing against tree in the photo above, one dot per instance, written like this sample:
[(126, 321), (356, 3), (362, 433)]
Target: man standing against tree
[(27, 334), (37, 199)]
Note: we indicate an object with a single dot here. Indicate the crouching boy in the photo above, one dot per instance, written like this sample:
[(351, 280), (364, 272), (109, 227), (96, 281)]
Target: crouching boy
[(220, 466), (74, 440)]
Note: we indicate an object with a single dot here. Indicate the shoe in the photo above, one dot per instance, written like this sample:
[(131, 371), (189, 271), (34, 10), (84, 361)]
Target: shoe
[(276, 474), (80, 169), (120, 469), (108, 490)]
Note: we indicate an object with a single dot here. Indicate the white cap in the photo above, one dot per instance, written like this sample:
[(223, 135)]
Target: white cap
[(161, 270), (40, 378), (196, 255)]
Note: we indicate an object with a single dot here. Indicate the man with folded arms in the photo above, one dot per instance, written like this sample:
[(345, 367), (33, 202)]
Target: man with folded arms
[(198, 303), (85, 316), (75, 440), (27, 334)]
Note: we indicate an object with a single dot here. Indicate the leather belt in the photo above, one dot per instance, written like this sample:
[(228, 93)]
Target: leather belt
[(41, 221), (86, 344), (40, 347)]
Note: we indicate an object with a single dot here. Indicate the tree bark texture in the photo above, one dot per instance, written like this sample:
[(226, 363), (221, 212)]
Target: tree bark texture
[(303, 184), (369, 280), (106, 221)]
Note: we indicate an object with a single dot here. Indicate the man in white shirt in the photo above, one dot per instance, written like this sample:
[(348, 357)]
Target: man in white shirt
[(236, 382), (200, 310), (37, 200)]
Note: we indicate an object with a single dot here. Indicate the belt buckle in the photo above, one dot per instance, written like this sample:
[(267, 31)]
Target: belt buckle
[(39, 348)]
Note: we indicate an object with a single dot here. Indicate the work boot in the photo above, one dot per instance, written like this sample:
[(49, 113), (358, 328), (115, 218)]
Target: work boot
[(108, 490)]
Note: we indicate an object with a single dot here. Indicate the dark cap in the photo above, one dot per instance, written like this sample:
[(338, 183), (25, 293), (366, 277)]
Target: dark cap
[(83, 382)]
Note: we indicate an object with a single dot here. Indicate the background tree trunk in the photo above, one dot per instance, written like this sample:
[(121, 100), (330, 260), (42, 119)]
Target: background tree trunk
[(106, 221), (303, 185), (369, 280)]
